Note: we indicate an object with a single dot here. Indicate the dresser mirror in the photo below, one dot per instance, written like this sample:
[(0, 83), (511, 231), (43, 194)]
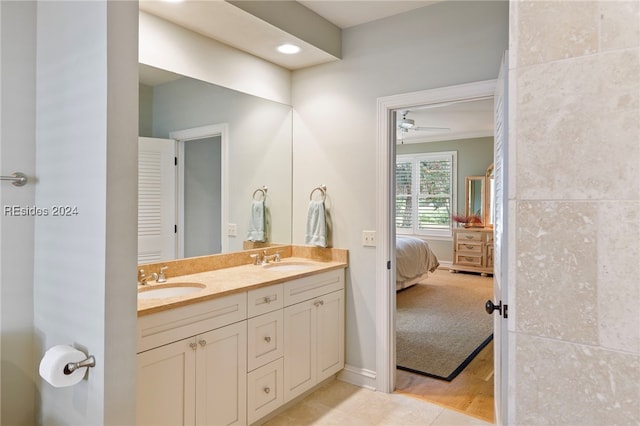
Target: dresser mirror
[(475, 198), (258, 155), (489, 215)]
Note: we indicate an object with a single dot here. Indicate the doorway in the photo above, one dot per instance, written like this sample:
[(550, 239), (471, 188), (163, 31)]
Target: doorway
[(385, 253)]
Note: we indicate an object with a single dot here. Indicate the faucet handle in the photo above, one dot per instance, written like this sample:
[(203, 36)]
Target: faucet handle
[(161, 277), (256, 258)]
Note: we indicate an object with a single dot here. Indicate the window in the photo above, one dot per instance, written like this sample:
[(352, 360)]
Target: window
[(425, 193)]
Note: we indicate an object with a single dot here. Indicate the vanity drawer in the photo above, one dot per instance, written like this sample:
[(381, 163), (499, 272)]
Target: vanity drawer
[(313, 286), (468, 236), (265, 390), (265, 299), (265, 339), (168, 326), (469, 248), (468, 259)]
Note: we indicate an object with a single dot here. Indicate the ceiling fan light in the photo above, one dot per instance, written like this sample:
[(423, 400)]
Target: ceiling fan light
[(406, 123)]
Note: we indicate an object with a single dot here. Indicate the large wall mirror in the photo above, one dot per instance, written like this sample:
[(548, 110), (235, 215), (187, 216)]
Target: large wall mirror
[(258, 155)]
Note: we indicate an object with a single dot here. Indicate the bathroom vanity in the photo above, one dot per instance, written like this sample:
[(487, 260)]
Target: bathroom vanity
[(249, 340)]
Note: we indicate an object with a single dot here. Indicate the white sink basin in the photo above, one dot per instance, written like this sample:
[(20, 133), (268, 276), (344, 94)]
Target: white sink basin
[(288, 266), (169, 290)]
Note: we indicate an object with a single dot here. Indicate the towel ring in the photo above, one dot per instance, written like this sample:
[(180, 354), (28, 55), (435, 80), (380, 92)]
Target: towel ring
[(263, 191), (322, 189)]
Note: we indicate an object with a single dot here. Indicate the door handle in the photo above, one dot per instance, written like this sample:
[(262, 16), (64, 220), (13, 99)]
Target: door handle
[(490, 307)]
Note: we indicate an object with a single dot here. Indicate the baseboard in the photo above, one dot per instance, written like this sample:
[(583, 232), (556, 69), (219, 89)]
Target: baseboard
[(445, 265), (358, 376)]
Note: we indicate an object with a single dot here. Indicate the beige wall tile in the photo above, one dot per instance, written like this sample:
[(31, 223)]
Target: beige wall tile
[(562, 383), (620, 24), (576, 131), (556, 270), (553, 30), (618, 228)]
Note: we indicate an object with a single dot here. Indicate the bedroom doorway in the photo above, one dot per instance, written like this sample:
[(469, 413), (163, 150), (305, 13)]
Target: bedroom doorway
[(390, 110)]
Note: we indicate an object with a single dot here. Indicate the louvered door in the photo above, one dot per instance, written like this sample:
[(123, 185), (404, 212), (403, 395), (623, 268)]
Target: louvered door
[(156, 200)]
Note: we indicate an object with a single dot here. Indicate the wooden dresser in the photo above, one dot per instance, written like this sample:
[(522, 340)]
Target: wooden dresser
[(473, 250)]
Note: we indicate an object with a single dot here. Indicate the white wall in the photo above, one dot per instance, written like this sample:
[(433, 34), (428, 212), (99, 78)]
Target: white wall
[(335, 120), (170, 47), (86, 156), (17, 144)]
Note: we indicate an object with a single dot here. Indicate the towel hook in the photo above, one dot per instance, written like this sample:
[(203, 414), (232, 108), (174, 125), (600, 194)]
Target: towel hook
[(322, 189), (17, 179), (262, 190)]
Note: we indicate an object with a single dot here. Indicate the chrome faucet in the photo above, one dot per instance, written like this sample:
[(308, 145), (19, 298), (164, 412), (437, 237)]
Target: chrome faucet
[(266, 258), (256, 258), (161, 278), (142, 278)]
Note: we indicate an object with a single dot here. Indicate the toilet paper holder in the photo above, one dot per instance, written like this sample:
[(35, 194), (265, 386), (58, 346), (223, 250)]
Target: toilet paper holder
[(90, 361)]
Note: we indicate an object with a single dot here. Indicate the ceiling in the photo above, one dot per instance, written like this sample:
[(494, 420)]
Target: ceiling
[(220, 20)]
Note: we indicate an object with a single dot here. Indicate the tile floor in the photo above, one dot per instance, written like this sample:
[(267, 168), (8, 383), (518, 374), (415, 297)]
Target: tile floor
[(343, 404)]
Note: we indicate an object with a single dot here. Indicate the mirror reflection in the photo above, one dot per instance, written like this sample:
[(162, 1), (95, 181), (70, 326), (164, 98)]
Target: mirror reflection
[(226, 145), (474, 205)]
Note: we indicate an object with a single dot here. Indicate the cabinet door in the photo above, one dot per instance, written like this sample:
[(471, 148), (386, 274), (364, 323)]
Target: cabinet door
[(299, 349), (166, 385), (330, 334), (221, 376)]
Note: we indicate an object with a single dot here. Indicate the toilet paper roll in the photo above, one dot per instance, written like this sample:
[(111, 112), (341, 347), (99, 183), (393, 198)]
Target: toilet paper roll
[(53, 365)]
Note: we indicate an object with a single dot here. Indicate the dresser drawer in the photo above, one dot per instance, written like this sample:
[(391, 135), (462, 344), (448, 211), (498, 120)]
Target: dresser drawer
[(265, 339), (313, 286), (265, 299), (469, 236), (265, 390), (473, 248), (467, 259)]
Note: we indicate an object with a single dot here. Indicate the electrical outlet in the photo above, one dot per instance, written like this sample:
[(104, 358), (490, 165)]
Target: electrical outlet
[(369, 238), (232, 230)]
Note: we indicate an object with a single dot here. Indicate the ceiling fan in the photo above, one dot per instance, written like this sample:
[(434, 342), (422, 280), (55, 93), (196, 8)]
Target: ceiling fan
[(407, 124)]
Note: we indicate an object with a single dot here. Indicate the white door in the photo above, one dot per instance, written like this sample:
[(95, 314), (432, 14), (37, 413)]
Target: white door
[(156, 200), (330, 334), (299, 349), (221, 376), (500, 246), (165, 393)]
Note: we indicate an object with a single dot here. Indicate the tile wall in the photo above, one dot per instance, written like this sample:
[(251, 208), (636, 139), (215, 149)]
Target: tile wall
[(575, 292)]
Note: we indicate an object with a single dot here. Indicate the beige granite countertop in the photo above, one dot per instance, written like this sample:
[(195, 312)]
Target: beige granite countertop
[(225, 281)]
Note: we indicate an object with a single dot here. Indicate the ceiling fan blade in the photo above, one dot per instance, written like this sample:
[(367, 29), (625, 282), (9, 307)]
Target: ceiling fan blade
[(437, 129)]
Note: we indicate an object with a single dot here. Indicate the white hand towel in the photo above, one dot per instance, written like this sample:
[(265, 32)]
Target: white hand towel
[(256, 222), (316, 224)]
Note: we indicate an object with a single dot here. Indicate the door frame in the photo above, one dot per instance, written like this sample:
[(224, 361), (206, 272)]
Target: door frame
[(182, 136), (385, 251)]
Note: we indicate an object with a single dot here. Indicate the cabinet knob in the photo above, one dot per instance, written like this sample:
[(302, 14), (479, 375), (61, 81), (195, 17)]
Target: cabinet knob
[(266, 390), (202, 342), (318, 303), (267, 339), (193, 345)]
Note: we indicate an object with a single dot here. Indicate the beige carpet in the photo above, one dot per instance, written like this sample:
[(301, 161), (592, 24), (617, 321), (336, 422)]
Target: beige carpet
[(441, 323)]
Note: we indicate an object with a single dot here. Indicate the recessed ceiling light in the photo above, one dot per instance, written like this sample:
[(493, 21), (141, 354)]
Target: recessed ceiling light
[(288, 49)]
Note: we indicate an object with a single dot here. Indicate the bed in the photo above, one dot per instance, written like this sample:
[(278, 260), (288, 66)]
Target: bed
[(414, 260)]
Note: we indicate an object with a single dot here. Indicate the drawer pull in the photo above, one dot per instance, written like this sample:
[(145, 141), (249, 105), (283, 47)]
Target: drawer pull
[(318, 303), (193, 346), (469, 246), (266, 390), (469, 237), (469, 259), (267, 299), (267, 339), (202, 342)]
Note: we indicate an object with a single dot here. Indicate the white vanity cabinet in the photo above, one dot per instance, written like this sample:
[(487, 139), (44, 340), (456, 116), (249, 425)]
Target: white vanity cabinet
[(198, 380), (313, 331), (234, 359)]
